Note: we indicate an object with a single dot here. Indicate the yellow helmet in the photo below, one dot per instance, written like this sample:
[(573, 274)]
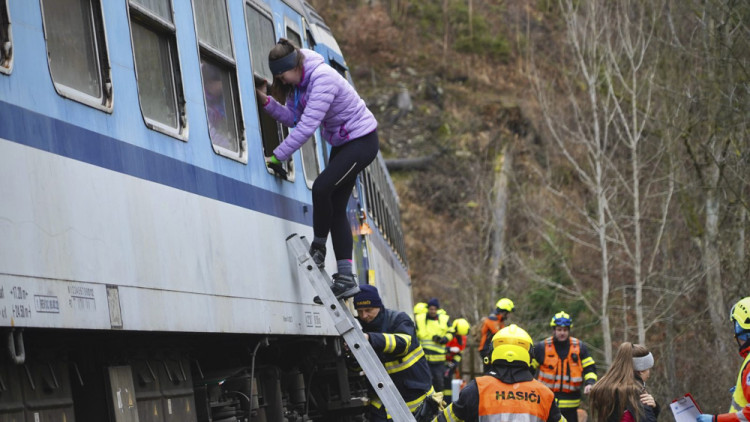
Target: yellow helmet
[(461, 326), (420, 308), (504, 304), (561, 319), (512, 344), (740, 315)]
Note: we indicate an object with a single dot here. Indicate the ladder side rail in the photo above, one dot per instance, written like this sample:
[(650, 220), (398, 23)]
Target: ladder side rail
[(351, 331)]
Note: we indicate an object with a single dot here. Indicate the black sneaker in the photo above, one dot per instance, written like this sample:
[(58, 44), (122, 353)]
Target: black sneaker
[(344, 286), (318, 254)]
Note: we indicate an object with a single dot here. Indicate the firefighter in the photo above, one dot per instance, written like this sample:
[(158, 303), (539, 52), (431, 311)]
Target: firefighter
[(391, 334), (565, 366), (509, 391), (740, 408), (433, 334), (490, 325), (454, 349)]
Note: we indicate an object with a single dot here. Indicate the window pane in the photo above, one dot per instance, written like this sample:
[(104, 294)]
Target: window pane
[(160, 8), (261, 34), (71, 45), (213, 24), (4, 35), (222, 117), (294, 37), (309, 153), (156, 86)]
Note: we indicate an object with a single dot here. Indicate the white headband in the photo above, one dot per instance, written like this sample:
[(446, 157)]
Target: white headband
[(644, 362)]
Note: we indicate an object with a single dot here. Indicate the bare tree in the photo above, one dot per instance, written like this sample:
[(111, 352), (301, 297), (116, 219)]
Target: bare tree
[(629, 74), (585, 139), (712, 43)]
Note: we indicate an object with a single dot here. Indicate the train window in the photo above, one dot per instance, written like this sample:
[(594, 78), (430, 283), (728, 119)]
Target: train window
[(213, 25), (294, 37), (219, 73), (309, 150), (219, 92), (261, 39), (157, 65), (161, 8), (339, 68), (6, 43), (77, 51)]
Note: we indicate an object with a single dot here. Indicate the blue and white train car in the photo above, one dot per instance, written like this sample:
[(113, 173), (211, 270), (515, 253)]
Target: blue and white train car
[(144, 273)]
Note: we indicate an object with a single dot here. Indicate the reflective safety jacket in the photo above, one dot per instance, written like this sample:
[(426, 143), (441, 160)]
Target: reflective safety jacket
[(392, 336), (740, 409), (454, 348), (565, 376), (490, 325), (427, 328), (508, 394)]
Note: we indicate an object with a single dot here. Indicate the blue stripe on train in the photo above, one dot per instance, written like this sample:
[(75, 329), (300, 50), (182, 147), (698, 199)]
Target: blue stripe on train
[(61, 138)]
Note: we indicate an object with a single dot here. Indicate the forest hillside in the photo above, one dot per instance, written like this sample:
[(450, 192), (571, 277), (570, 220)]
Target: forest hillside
[(576, 155)]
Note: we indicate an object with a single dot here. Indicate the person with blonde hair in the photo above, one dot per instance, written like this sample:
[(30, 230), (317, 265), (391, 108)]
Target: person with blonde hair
[(621, 395)]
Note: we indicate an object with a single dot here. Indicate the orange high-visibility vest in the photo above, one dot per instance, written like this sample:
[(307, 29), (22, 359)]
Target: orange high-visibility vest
[(561, 375), (500, 401), (490, 326)]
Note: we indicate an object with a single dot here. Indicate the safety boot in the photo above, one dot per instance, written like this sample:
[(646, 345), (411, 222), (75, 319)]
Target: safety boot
[(344, 286)]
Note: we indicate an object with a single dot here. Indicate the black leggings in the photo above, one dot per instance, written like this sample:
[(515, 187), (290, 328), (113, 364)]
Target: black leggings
[(332, 188)]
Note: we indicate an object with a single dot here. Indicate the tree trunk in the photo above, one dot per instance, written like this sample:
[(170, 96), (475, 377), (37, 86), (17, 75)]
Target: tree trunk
[(604, 255), (711, 257), (638, 247), (503, 165)]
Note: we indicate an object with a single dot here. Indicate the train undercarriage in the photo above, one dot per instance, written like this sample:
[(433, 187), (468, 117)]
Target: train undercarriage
[(75, 375)]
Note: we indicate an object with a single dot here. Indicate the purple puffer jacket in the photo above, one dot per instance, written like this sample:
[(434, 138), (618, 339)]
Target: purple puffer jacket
[(325, 99)]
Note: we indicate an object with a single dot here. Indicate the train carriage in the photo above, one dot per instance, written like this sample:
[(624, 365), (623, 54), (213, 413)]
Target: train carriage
[(143, 269)]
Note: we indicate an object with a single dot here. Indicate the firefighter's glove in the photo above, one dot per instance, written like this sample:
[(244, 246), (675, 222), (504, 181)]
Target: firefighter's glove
[(705, 418), (430, 408), (441, 340), (275, 165)]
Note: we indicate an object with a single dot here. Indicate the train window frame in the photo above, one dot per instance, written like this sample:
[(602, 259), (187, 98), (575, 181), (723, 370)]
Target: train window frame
[(222, 57), (271, 132), (6, 39), (97, 40), (309, 150), (166, 31)]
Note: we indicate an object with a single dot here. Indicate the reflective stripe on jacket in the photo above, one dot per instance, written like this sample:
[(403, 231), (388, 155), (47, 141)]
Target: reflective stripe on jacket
[(562, 375), (523, 401), (413, 405), (426, 330), (742, 387)]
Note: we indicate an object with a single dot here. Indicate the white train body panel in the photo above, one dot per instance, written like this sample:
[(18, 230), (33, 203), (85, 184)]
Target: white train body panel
[(182, 262)]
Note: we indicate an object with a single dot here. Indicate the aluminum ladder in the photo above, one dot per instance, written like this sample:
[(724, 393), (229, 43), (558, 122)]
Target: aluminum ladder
[(350, 330)]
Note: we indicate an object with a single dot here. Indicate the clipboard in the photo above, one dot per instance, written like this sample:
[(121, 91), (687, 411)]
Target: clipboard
[(685, 409)]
